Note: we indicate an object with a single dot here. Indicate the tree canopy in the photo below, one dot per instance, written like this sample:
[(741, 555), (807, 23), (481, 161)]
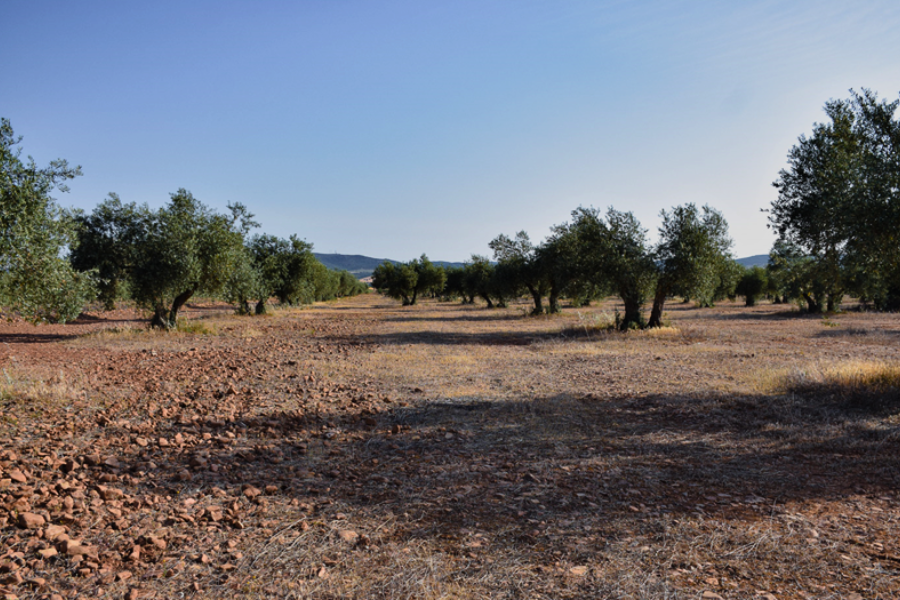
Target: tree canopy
[(35, 277), (839, 203)]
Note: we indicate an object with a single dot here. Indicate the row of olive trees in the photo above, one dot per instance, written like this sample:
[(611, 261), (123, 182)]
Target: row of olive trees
[(597, 254), (591, 256), (159, 258), (838, 208), (407, 282), (162, 258)]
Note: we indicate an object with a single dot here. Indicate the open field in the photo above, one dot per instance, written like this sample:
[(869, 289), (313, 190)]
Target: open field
[(358, 449)]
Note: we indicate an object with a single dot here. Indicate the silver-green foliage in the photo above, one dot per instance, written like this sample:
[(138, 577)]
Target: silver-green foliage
[(35, 277)]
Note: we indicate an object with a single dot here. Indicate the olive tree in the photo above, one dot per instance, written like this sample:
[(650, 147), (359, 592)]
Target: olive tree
[(478, 279), (185, 249), (752, 285), (35, 277), (518, 259), (613, 253), (692, 244), (406, 282), (106, 241)]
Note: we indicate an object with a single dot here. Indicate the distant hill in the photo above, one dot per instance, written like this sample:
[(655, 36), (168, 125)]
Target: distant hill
[(760, 260), (362, 266)]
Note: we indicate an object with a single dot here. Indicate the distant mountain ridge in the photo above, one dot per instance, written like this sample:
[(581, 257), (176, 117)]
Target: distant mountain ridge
[(362, 266), (758, 260)]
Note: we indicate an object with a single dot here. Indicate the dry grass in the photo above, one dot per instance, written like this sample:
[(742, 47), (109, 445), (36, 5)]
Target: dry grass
[(37, 386), (196, 326), (850, 378)]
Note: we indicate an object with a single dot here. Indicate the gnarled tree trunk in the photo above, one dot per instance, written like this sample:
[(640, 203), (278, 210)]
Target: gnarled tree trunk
[(659, 301), (538, 301)]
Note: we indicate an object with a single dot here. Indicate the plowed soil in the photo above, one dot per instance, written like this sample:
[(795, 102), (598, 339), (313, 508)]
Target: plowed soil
[(358, 449)]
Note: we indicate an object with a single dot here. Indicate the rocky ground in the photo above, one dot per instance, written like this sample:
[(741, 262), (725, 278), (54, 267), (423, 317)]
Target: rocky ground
[(358, 449)]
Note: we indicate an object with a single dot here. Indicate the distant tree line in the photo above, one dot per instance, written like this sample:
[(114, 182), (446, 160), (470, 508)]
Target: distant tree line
[(592, 256), (53, 262)]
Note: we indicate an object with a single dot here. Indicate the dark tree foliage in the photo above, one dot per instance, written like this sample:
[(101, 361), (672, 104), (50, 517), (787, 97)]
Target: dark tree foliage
[(729, 274), (791, 275), (505, 285), (752, 285), (557, 261), (455, 286), (106, 241), (519, 261), (478, 279)]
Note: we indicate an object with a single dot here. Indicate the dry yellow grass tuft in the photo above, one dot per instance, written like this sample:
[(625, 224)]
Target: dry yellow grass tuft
[(864, 376), (855, 378), (661, 332)]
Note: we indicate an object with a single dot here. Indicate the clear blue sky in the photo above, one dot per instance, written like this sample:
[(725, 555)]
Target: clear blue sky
[(394, 128)]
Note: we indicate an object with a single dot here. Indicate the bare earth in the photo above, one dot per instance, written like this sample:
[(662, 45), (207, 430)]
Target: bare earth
[(358, 449)]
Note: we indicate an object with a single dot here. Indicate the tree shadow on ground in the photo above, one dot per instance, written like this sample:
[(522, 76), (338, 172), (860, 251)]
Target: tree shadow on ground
[(35, 338), (505, 466), (487, 316), (750, 315), (858, 333), (442, 338)]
